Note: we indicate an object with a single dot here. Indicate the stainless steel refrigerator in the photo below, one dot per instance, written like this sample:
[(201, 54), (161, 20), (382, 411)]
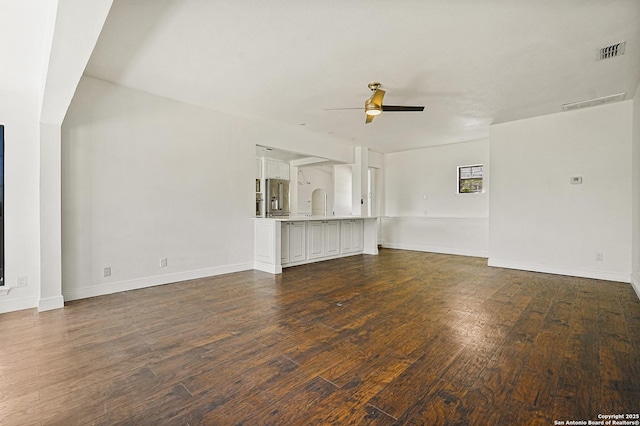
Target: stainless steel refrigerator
[(277, 197)]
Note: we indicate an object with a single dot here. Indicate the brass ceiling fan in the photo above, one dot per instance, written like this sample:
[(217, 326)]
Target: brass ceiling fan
[(373, 106)]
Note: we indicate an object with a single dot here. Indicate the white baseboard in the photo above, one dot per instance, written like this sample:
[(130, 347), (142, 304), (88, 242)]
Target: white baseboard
[(18, 304), (552, 269), (635, 283), (51, 303), (116, 287), (432, 249), (267, 267)]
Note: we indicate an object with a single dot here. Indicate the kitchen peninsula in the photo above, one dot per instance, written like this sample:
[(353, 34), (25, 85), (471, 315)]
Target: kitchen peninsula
[(281, 242)]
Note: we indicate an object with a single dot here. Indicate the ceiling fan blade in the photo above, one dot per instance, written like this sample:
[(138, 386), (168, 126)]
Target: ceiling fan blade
[(377, 96), (392, 108), (369, 119)]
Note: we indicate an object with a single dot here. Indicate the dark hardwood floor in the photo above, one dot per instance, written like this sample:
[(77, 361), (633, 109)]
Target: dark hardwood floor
[(401, 338)]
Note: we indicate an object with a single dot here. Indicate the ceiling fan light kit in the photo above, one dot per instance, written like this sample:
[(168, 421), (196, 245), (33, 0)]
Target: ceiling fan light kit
[(372, 109)]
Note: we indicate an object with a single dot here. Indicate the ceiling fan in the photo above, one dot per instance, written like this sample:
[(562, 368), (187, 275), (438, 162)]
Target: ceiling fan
[(373, 106)]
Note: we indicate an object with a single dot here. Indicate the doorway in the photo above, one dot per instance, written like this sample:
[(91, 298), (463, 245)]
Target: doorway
[(319, 202)]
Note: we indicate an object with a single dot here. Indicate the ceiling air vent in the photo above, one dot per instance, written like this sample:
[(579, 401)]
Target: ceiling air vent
[(594, 102), (612, 51)]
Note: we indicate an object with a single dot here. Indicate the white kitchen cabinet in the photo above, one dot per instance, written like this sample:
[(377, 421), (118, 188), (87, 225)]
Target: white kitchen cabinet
[(323, 238), (316, 240), (283, 170), (258, 168), (296, 241), (293, 242), (352, 236), (276, 169), (332, 237)]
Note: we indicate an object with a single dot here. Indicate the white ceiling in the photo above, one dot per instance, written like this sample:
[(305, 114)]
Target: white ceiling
[(470, 63)]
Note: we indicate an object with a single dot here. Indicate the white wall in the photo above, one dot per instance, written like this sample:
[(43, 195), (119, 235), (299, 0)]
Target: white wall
[(461, 236), (635, 264), (446, 222), (144, 178), (319, 177), (25, 31), (345, 183), (19, 114), (410, 175), (297, 140), (538, 220), (342, 186)]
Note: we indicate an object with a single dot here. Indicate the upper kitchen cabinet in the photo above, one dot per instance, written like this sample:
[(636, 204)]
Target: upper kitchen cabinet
[(276, 169)]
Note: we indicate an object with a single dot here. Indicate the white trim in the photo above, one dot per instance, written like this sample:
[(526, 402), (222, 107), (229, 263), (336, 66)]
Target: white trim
[(433, 249), (635, 283), (437, 234), (18, 304), (116, 287), (434, 219), (267, 267), (559, 270), (4, 290), (51, 303)]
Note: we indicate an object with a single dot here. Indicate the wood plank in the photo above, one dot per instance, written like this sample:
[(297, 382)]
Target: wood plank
[(580, 369), (417, 380), (490, 397), (349, 404), (400, 338), (441, 406)]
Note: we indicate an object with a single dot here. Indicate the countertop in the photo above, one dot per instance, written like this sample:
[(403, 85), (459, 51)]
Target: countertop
[(316, 217)]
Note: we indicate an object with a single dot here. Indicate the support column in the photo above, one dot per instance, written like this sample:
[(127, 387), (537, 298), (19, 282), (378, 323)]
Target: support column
[(293, 190), (50, 218), (76, 26), (359, 180)]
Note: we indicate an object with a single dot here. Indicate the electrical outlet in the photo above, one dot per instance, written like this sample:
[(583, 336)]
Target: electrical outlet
[(599, 257), (107, 271), (163, 262), (21, 281)]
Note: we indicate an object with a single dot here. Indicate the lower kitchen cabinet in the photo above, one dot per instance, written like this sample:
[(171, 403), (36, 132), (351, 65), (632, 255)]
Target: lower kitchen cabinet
[(324, 238), (302, 240), (293, 242), (351, 236)]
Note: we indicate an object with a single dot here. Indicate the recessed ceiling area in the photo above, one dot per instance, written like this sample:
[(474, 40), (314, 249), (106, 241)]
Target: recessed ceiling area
[(277, 154), (471, 64)]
